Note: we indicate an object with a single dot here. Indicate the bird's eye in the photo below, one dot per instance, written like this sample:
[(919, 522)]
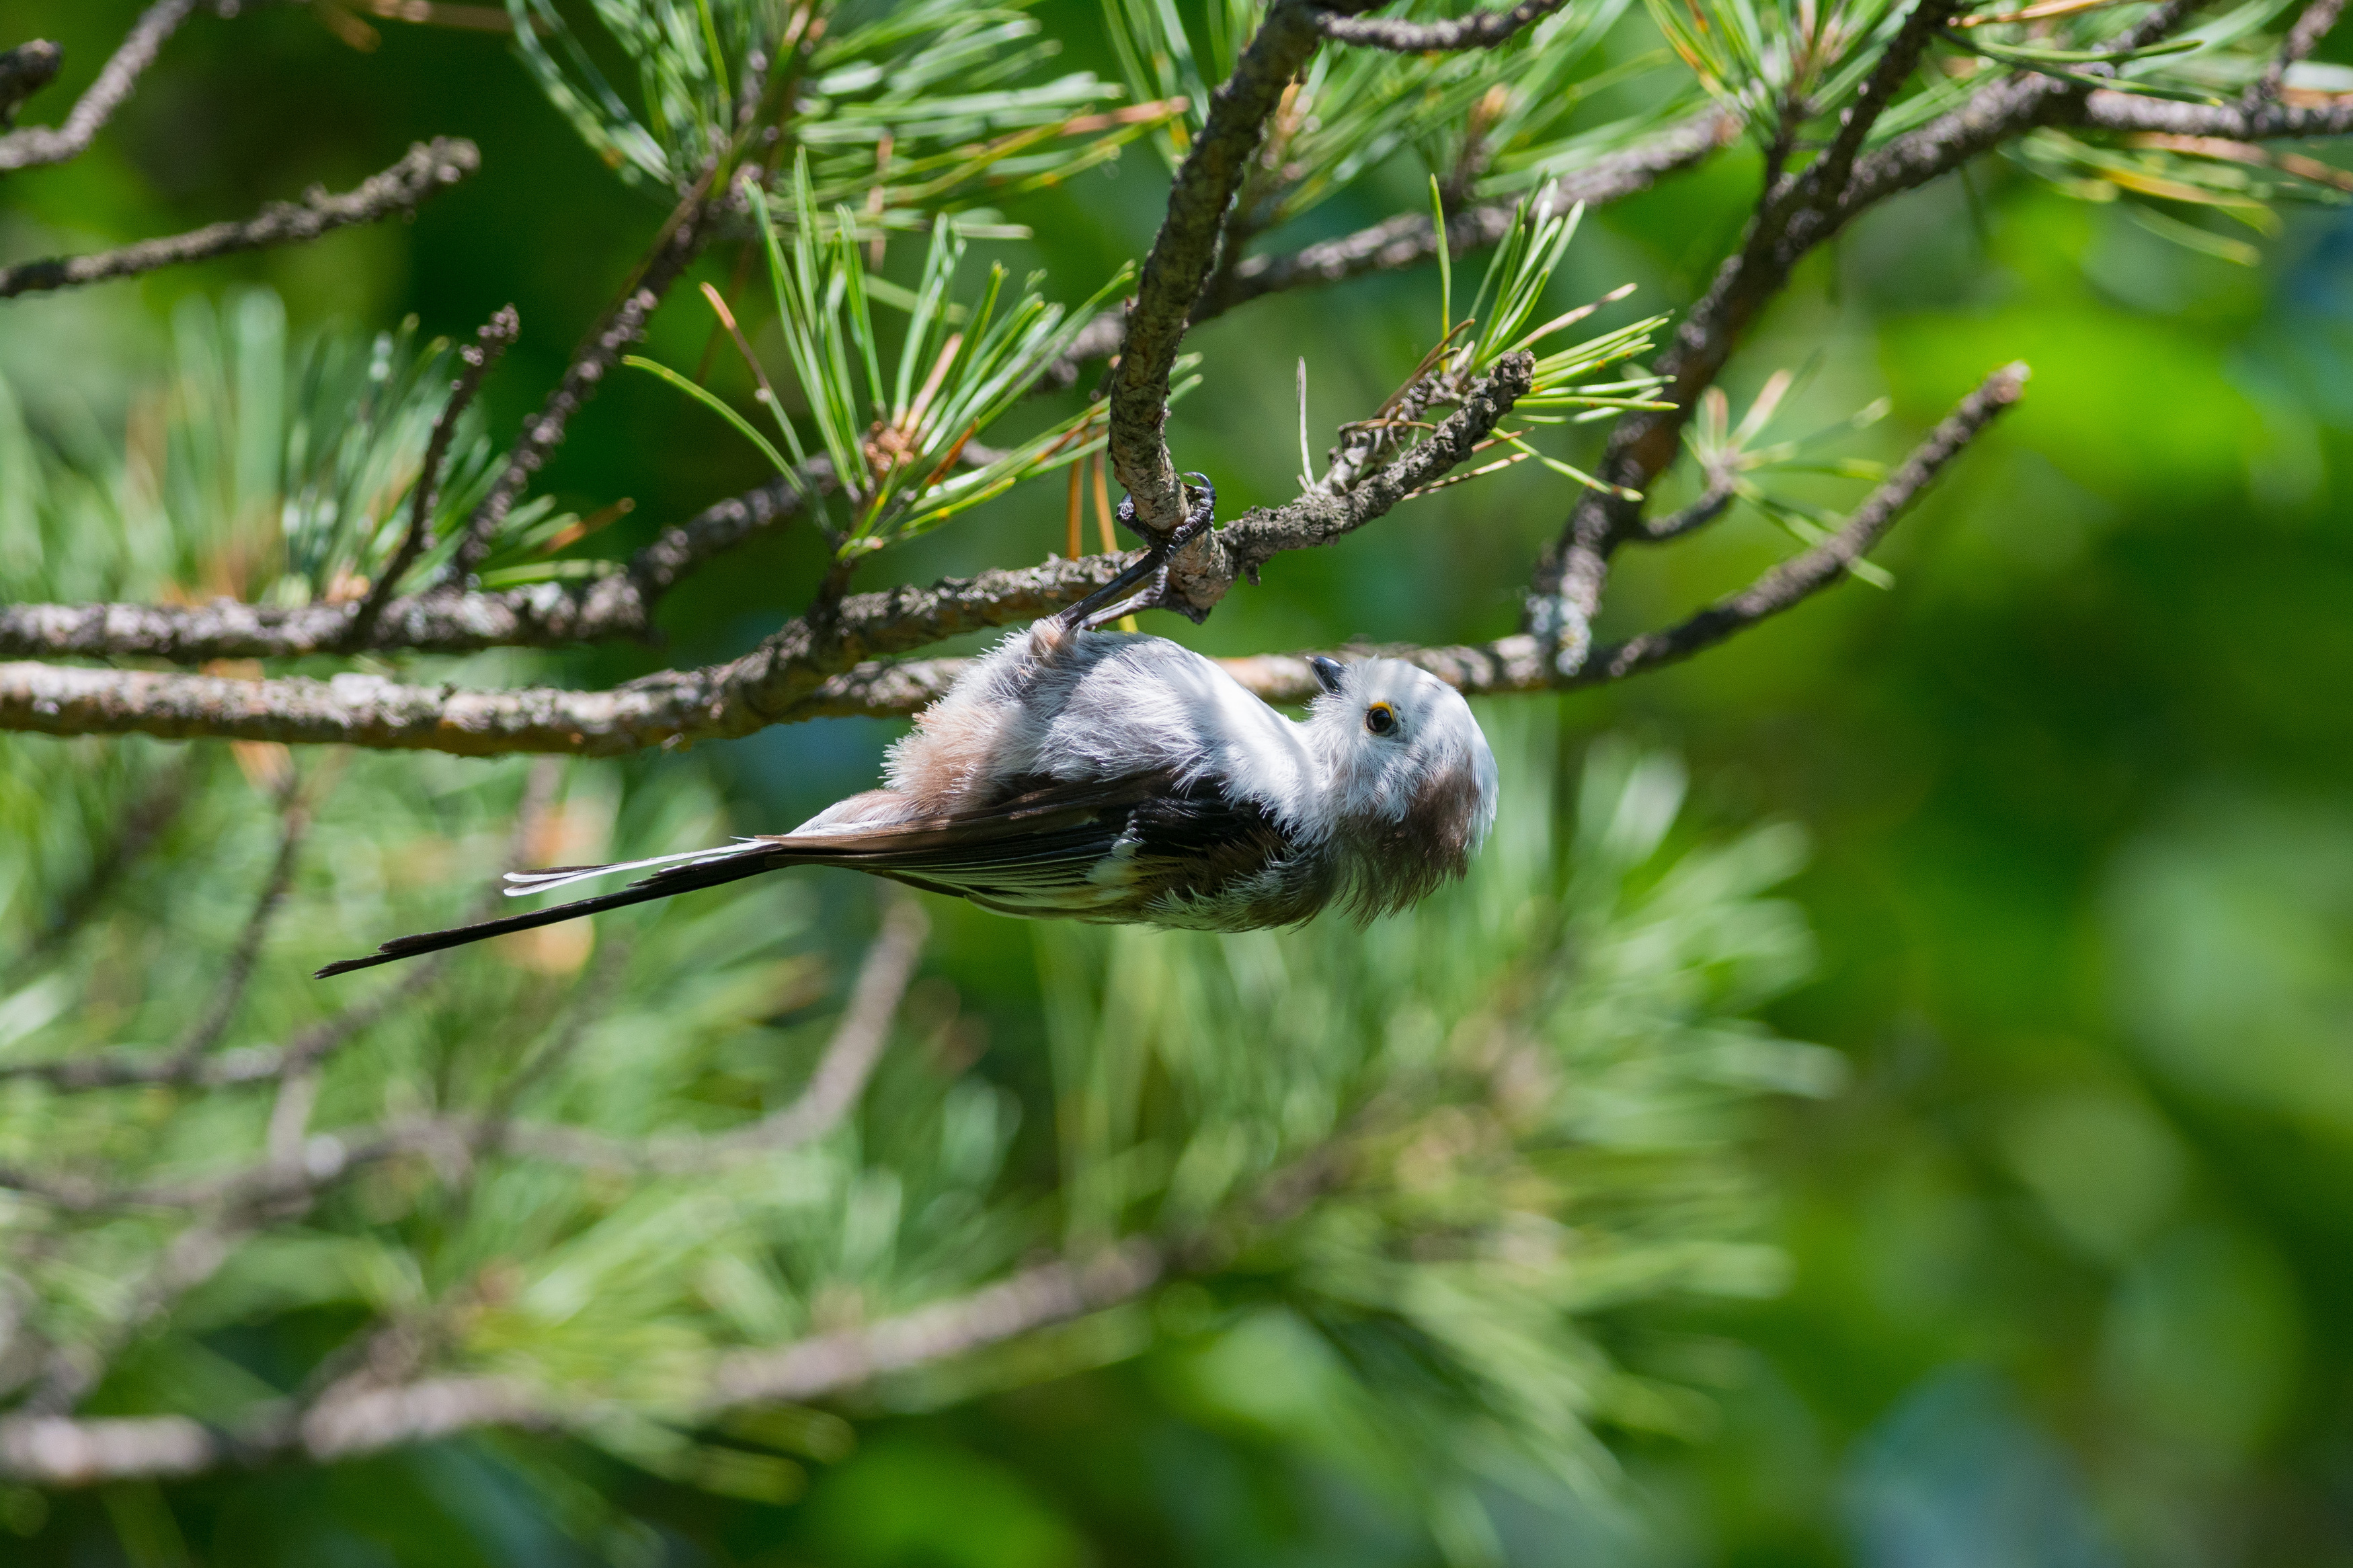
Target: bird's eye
[(1380, 718)]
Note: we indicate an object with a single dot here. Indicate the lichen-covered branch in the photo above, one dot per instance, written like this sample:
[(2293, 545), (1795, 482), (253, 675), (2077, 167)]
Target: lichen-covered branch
[(1185, 250), (709, 704), (1479, 30), (2269, 121), (1203, 574), (428, 167)]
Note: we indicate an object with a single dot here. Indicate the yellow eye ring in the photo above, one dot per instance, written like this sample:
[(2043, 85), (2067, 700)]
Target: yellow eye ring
[(1380, 719)]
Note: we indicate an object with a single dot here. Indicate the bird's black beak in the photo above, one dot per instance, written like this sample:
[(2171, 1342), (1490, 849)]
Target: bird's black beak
[(1328, 672)]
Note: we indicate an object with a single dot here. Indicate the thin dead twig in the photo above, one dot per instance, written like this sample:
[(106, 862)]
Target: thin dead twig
[(428, 168), (1479, 30), (37, 144)]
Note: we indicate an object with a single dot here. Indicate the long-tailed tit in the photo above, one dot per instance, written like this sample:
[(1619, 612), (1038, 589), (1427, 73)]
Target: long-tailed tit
[(1106, 776)]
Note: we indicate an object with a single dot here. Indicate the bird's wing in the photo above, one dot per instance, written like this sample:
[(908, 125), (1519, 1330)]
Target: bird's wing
[(1108, 847)]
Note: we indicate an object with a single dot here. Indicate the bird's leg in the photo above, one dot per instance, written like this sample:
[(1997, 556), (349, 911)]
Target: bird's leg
[(1114, 598)]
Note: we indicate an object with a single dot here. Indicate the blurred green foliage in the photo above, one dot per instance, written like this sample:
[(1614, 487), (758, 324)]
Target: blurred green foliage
[(2064, 1256)]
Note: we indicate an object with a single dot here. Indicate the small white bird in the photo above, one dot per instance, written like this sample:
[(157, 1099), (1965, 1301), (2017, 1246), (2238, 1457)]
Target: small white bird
[(1106, 776)]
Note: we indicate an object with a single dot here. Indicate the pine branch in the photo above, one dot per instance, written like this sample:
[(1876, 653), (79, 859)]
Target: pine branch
[(37, 144), (769, 685), (1522, 664), (1479, 30), (1793, 215), (1410, 238), (426, 169)]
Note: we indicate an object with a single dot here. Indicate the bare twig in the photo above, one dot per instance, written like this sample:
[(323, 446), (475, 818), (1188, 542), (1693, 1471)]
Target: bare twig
[(832, 1363), (1479, 30), (1834, 557), (1522, 664), (1711, 505), (428, 167), (489, 341), (37, 144)]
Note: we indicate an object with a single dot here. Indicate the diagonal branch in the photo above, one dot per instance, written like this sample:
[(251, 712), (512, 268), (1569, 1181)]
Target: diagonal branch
[(1184, 252), (299, 1056), (1479, 30), (37, 144), (2128, 112), (236, 969), (428, 168)]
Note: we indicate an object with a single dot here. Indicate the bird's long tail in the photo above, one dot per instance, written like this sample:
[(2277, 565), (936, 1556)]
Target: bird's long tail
[(700, 868)]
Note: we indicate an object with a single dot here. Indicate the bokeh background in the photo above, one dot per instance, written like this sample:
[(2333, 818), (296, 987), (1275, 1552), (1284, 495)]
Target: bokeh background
[(2073, 1252)]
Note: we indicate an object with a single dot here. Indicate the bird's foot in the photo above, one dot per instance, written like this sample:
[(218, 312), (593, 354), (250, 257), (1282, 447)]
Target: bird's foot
[(1120, 596)]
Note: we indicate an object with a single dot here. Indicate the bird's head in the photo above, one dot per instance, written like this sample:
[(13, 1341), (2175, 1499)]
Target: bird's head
[(1412, 785)]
